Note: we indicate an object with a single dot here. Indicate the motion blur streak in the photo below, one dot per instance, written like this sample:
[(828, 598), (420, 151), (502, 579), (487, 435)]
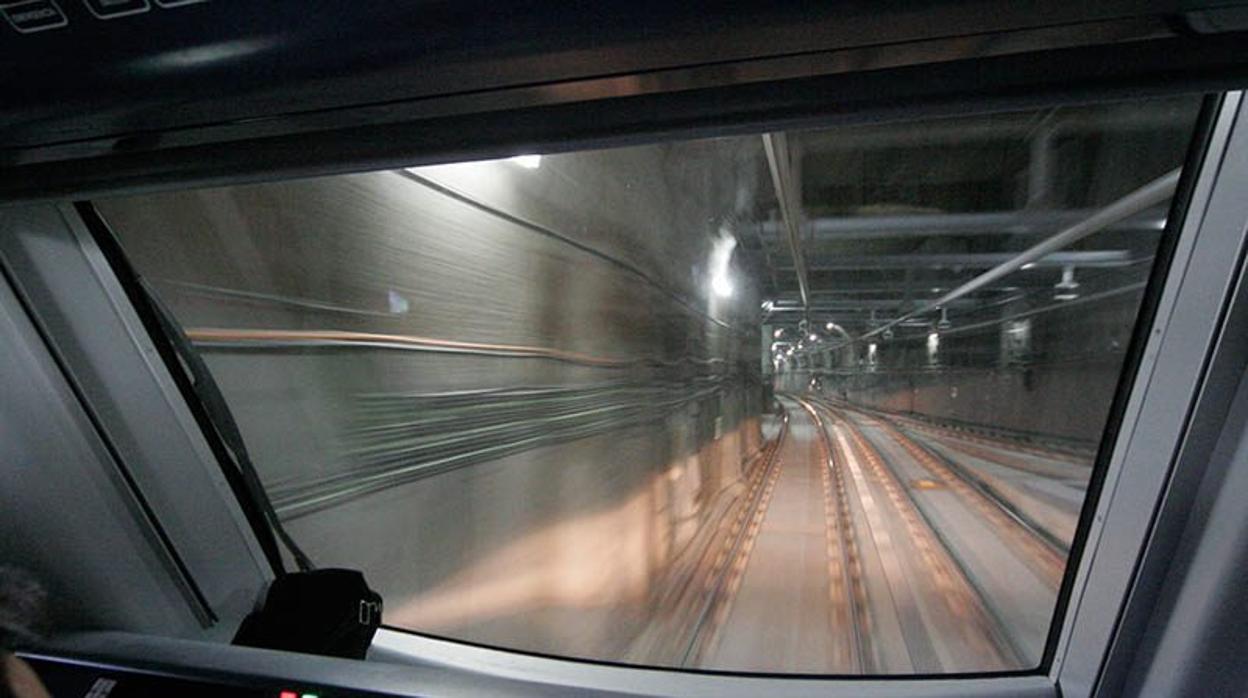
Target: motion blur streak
[(507, 394), (206, 336)]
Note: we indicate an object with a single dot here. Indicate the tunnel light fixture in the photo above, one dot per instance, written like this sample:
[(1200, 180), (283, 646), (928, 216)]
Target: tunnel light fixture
[(814, 337), (778, 333), (720, 264), (933, 343), (943, 323), (1067, 287), (528, 162), (721, 260)]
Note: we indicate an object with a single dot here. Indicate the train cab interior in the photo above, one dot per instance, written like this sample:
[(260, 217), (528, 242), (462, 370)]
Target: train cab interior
[(434, 348)]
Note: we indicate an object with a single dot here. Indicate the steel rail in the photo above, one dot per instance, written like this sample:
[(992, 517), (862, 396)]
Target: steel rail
[(995, 630), (759, 502), (1016, 517), (999, 629), (979, 496), (846, 544)]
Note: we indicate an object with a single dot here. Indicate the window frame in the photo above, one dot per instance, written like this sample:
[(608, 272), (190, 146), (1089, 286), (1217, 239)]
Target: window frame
[(1152, 420), (1183, 336)]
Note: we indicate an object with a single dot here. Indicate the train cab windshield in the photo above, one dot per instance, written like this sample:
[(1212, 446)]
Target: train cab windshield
[(368, 349), (821, 401)]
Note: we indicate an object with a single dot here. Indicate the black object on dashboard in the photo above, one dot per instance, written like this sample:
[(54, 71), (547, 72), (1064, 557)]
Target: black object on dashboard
[(330, 612)]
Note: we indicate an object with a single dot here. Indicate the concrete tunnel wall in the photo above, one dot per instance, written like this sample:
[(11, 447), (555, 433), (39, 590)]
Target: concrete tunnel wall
[(562, 547)]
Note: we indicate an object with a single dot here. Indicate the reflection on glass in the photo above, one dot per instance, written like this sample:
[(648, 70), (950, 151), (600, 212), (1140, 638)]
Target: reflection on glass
[(533, 398)]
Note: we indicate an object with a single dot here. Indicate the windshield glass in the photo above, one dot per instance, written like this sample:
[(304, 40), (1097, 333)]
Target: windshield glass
[(820, 401)]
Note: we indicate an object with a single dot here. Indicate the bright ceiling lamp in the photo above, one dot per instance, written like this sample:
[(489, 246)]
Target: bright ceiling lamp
[(721, 257), (1067, 288), (528, 162)]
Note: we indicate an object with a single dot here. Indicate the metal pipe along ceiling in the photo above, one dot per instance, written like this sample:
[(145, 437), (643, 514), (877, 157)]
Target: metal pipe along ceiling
[(777, 149), (1151, 194)]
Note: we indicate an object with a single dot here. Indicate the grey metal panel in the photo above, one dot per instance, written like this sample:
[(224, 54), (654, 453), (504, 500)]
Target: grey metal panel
[(451, 669), (477, 663), (178, 657), (1182, 628), (510, 119), (68, 516), (388, 54), (1195, 643), (107, 353), (1170, 374)]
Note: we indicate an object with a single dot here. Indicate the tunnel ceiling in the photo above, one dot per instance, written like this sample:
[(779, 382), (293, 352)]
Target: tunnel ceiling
[(891, 216)]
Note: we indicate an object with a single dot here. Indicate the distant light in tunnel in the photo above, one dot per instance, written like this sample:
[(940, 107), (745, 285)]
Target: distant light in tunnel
[(528, 162), (814, 337), (721, 258), (1066, 287), (1029, 265), (397, 303), (778, 333), (830, 326), (933, 343)]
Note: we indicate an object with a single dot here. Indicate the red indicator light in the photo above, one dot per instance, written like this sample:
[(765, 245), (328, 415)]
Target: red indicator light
[(288, 694)]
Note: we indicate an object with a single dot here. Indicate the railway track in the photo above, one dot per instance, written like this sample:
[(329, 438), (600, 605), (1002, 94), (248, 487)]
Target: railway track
[(1043, 552), (724, 579), (862, 552), (946, 622), (846, 594)]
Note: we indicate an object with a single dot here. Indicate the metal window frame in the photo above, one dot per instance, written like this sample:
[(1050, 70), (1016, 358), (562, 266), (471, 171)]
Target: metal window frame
[(75, 298), (81, 307), (1185, 334)]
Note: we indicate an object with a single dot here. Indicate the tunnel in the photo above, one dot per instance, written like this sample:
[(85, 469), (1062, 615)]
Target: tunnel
[(816, 400)]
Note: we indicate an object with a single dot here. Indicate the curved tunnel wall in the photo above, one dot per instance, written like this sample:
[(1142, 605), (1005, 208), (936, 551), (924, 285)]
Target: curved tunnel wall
[(451, 377)]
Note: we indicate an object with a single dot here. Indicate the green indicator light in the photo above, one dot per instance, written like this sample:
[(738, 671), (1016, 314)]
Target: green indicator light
[(310, 695)]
